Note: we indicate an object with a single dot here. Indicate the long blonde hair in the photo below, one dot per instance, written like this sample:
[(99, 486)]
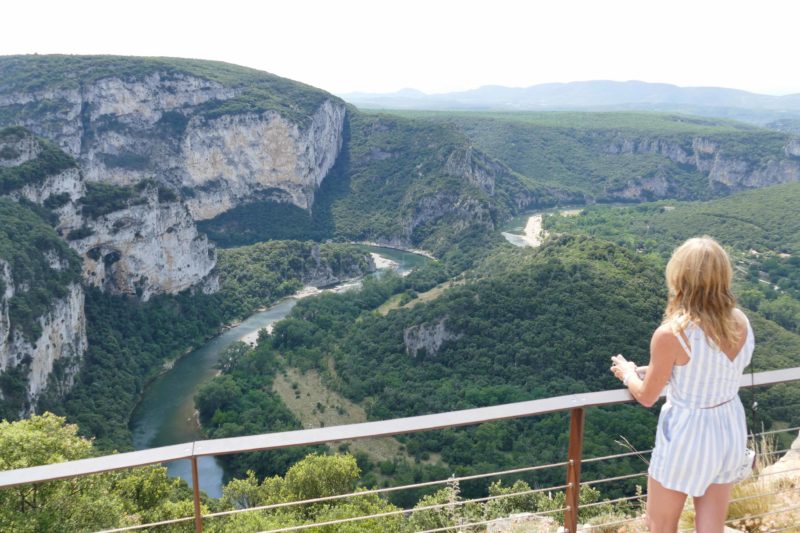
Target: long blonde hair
[(699, 277)]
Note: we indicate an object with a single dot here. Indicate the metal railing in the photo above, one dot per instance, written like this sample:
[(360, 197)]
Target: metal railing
[(576, 404)]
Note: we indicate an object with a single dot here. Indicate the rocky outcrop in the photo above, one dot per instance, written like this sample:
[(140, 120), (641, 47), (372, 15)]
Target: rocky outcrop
[(475, 168), (62, 341), (155, 127), (461, 211), (68, 185), (787, 466), (428, 338), (322, 272), (239, 157), (792, 148), (18, 148), (708, 157), (145, 249)]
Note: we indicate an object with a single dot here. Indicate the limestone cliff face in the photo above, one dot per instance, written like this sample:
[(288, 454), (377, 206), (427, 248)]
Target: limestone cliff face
[(145, 249), (120, 109), (62, 341), (68, 183), (239, 157), (461, 211), (155, 127), (707, 156), (428, 337), (475, 167), (461, 207)]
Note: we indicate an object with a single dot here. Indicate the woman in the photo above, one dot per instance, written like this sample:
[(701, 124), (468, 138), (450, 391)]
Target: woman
[(699, 352)]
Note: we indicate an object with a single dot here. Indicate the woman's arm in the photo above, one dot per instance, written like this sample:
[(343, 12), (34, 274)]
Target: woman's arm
[(664, 349)]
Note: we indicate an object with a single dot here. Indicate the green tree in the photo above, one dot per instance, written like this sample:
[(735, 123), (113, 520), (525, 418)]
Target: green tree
[(84, 503)]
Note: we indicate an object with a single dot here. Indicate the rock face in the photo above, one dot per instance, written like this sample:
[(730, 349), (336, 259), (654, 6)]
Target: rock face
[(463, 211), (62, 341), (322, 273), (145, 249), (475, 167), (707, 156), (789, 465), (239, 157), (155, 126), (427, 337)]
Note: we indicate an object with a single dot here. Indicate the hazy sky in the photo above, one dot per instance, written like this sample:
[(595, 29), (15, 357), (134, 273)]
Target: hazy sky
[(436, 45)]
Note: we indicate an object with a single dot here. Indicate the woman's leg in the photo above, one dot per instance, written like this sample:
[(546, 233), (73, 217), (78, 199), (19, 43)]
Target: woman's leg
[(712, 507), (664, 507)]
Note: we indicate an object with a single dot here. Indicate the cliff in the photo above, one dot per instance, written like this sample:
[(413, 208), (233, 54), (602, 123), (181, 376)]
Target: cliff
[(148, 247), (566, 157), (220, 135), (42, 322), (61, 345), (133, 240), (724, 166), (427, 337)]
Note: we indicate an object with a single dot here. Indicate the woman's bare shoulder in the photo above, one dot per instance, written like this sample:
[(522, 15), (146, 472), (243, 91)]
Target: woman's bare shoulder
[(741, 318), (664, 339)]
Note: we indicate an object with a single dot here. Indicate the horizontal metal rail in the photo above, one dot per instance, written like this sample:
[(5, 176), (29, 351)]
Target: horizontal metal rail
[(575, 403), (383, 428)]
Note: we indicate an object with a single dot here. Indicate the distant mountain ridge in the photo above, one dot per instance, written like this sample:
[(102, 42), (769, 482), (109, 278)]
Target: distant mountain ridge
[(599, 95)]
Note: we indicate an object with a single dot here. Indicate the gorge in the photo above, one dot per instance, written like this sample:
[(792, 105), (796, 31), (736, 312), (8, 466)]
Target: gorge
[(148, 202)]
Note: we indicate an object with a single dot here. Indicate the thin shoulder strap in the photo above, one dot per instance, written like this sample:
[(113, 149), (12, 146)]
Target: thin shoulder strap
[(680, 336)]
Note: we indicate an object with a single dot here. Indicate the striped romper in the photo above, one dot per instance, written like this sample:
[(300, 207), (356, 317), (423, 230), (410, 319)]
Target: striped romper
[(702, 432)]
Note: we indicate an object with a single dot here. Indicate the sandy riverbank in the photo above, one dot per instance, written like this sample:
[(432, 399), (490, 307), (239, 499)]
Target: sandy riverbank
[(534, 234)]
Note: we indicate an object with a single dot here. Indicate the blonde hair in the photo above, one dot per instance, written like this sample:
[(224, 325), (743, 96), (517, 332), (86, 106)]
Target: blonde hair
[(699, 276)]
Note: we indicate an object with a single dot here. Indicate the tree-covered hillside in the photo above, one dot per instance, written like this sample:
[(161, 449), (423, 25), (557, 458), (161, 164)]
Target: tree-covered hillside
[(526, 324), (544, 325), (764, 220), (760, 229)]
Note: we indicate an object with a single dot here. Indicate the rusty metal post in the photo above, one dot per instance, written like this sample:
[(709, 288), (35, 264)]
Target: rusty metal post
[(574, 469), (198, 515)]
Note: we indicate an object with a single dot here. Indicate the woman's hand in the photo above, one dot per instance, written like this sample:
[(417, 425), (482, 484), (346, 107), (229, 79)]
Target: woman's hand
[(621, 367)]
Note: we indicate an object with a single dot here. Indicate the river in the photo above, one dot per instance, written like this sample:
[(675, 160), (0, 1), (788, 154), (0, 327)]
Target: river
[(165, 415), (526, 229)]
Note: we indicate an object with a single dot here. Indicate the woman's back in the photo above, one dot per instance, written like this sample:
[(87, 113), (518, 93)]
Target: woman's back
[(710, 377)]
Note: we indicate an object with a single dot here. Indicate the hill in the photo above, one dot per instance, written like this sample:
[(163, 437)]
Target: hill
[(600, 95), (623, 156)]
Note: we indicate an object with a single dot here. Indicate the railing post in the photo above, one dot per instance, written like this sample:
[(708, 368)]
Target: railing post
[(574, 469), (198, 515)]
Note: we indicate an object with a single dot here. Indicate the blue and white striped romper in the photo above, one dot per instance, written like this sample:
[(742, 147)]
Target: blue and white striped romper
[(702, 431)]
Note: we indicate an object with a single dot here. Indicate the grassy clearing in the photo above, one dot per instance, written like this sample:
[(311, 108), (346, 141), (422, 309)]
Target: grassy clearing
[(396, 301), (311, 401)]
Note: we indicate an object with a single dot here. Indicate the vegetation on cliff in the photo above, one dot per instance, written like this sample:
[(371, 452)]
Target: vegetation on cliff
[(255, 91), (42, 265), (48, 162), (597, 152)]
